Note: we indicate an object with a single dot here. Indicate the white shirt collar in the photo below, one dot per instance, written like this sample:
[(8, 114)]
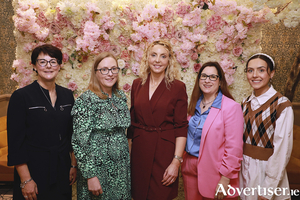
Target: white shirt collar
[(264, 97)]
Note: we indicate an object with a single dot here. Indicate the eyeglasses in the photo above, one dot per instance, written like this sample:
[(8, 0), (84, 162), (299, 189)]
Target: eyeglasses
[(105, 70), (44, 63), (212, 77)]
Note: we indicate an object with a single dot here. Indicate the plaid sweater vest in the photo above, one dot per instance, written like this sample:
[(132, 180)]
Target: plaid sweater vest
[(259, 126)]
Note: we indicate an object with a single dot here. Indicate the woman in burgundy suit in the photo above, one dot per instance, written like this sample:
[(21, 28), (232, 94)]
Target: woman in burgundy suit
[(158, 125)]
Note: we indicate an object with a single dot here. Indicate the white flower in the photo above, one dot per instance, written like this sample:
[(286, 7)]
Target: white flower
[(121, 63), (67, 8)]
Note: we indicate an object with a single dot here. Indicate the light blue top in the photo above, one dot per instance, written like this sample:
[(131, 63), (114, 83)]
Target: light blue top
[(196, 124)]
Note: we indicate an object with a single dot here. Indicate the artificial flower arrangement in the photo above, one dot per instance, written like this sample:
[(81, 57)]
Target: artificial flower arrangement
[(200, 31)]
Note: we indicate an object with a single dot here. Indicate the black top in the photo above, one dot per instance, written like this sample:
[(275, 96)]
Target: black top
[(40, 135)]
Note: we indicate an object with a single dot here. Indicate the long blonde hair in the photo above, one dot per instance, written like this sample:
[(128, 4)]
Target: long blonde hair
[(94, 84), (172, 71)]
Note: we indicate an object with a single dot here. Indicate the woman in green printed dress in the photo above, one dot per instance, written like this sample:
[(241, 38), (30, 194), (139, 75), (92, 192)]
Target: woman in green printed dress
[(100, 118)]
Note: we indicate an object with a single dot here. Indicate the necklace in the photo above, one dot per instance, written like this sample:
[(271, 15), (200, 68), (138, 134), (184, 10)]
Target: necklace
[(204, 104), (46, 96)]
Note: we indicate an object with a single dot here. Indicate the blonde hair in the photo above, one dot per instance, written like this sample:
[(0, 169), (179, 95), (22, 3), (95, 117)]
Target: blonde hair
[(171, 72), (94, 84)]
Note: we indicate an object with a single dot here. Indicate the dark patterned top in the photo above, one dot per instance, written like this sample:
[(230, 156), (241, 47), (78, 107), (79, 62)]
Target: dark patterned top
[(260, 124), (100, 145)]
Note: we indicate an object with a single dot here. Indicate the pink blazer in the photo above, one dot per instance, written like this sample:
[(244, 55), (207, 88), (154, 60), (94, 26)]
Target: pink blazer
[(221, 147)]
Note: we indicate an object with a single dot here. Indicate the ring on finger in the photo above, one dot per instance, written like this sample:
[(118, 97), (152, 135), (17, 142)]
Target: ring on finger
[(25, 197)]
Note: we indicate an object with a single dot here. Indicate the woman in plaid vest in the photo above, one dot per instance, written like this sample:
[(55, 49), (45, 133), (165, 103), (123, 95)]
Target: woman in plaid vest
[(268, 134)]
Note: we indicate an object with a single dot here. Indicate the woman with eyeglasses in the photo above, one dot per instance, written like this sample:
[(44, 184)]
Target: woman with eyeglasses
[(158, 124), (214, 145), (39, 128), (100, 118)]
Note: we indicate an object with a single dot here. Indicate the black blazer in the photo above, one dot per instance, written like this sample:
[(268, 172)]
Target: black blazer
[(40, 135)]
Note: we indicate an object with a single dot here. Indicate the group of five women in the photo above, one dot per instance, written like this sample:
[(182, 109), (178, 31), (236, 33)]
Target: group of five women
[(54, 141)]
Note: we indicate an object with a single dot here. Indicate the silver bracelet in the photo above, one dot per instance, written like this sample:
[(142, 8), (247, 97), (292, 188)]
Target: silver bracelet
[(178, 158), (73, 166), (22, 185)]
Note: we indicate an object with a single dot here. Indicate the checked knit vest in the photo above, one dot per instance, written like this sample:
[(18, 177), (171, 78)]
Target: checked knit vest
[(259, 126)]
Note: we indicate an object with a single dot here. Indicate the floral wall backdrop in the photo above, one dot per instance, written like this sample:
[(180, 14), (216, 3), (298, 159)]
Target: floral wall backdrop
[(224, 31)]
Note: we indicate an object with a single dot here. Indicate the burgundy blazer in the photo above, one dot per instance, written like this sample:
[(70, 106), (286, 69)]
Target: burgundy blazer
[(155, 125)]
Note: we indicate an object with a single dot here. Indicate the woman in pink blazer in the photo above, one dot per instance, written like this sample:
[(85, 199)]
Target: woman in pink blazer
[(214, 146)]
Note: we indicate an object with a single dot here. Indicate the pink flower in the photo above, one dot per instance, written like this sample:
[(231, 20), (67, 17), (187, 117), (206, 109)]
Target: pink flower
[(91, 8), (125, 55), (72, 86), (126, 87), (229, 30), (57, 41), (149, 12), (237, 51), (91, 30), (68, 75), (194, 56), (182, 9), (103, 46), (85, 77), (15, 77), (25, 81), (187, 46), (167, 14), (55, 28), (28, 47), (197, 67), (19, 64), (214, 23), (227, 64), (65, 57), (42, 20), (193, 18), (200, 48), (28, 72), (182, 58), (42, 34), (137, 52), (135, 68), (124, 41), (123, 22), (242, 31), (108, 25), (115, 49), (179, 35), (173, 41), (229, 79)]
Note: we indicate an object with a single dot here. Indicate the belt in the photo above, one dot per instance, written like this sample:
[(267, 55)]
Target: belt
[(151, 128), (256, 152)]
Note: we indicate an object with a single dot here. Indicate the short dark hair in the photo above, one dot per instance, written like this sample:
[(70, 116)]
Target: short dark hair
[(197, 91), (47, 49)]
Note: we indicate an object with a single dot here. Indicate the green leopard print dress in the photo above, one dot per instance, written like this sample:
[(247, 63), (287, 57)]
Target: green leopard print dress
[(100, 145)]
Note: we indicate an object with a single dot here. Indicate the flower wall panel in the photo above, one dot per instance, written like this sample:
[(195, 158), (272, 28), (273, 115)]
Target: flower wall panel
[(125, 27)]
